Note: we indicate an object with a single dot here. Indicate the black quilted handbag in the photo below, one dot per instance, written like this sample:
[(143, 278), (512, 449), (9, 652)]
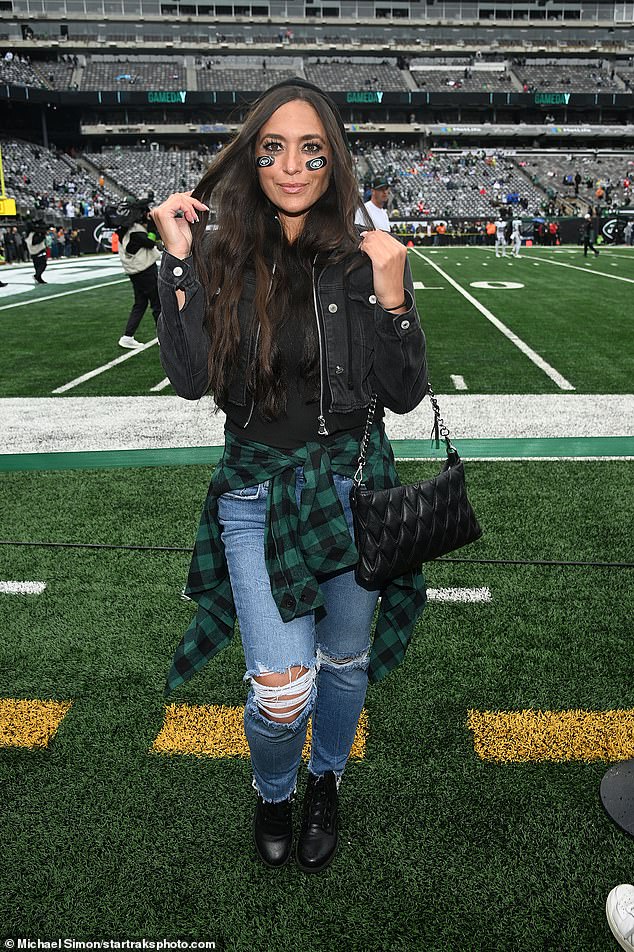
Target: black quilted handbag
[(397, 529)]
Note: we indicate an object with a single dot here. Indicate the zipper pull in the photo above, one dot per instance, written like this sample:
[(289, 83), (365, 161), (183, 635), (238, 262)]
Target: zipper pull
[(322, 431)]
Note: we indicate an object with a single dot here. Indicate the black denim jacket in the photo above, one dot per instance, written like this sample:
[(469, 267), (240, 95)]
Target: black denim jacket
[(364, 349)]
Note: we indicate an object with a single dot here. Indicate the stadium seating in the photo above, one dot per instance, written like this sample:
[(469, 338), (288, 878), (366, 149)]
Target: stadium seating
[(40, 179), (598, 172), (101, 74), (158, 173), (469, 184), (18, 72), (221, 77), (343, 75), (462, 79), (577, 78)]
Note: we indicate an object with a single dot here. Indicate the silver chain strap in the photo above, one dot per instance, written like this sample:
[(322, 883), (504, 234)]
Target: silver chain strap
[(440, 430), (440, 427), (365, 441)]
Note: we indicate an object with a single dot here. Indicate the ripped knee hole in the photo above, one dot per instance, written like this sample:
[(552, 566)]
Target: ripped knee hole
[(271, 690)]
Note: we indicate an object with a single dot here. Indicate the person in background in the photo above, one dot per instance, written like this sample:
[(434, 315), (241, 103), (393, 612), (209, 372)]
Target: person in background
[(36, 241), (500, 238), (247, 311), (628, 233), (376, 207), (138, 254), (586, 236), (516, 237)]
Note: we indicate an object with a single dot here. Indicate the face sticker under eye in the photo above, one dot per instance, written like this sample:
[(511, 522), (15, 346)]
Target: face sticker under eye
[(313, 165), (264, 161)]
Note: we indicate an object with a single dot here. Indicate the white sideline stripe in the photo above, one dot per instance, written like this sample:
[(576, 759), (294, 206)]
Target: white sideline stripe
[(22, 588), (575, 267), (458, 382), (532, 355), (471, 595), (93, 287), (100, 370), (160, 386)]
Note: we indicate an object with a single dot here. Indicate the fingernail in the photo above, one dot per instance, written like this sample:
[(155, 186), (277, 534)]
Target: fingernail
[(196, 218)]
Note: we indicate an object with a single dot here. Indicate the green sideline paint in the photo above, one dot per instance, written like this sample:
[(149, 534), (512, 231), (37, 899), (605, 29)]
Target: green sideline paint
[(568, 447)]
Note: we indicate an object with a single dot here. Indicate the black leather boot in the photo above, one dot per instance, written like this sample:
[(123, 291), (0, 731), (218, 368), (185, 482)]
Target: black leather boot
[(318, 839), (273, 831)]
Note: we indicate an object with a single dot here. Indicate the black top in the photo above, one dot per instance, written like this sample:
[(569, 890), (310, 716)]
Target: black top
[(297, 341)]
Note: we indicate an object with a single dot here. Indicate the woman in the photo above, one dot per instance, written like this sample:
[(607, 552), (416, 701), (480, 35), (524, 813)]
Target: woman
[(292, 319)]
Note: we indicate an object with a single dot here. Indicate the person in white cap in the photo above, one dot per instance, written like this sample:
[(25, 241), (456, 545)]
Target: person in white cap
[(376, 206)]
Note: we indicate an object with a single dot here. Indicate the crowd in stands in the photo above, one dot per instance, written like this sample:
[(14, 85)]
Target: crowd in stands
[(20, 70), (339, 75), (334, 73), (154, 174), (468, 184), (598, 181), (436, 184), (42, 180), (582, 77), (100, 74), (223, 77), (468, 80)]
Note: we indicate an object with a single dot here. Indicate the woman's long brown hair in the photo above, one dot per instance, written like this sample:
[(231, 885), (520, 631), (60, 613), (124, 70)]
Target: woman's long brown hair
[(243, 227)]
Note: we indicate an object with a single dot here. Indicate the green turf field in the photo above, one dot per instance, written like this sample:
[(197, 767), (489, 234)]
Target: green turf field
[(568, 311), (441, 850)]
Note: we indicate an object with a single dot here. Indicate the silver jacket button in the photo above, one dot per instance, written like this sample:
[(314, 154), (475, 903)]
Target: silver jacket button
[(338, 369), (372, 299), (177, 271), (404, 325), (333, 308)]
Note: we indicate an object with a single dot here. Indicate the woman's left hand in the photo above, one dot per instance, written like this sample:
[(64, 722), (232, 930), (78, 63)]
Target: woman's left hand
[(388, 257)]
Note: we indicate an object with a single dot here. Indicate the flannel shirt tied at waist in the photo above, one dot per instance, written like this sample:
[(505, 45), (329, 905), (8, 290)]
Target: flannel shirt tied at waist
[(302, 545)]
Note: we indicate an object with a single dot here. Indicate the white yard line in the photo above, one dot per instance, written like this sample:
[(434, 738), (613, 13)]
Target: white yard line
[(576, 267), (101, 370), (458, 382), (160, 386), (419, 286), (459, 595), (49, 297), (532, 355), (22, 588)]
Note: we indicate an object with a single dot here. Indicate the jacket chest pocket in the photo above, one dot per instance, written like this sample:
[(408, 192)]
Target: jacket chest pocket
[(354, 353)]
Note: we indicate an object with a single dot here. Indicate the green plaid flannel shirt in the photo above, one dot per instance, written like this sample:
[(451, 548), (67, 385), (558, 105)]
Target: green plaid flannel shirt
[(300, 546)]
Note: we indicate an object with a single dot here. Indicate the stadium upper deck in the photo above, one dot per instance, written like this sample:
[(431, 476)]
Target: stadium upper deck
[(591, 11), (428, 71)]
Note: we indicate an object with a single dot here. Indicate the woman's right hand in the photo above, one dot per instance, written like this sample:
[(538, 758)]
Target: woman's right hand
[(175, 232)]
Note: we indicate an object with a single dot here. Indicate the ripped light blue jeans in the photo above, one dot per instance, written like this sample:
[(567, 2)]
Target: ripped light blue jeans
[(323, 657)]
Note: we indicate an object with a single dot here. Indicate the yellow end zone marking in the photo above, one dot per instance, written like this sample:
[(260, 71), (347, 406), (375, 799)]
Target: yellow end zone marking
[(213, 730), (555, 736), (26, 723)]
